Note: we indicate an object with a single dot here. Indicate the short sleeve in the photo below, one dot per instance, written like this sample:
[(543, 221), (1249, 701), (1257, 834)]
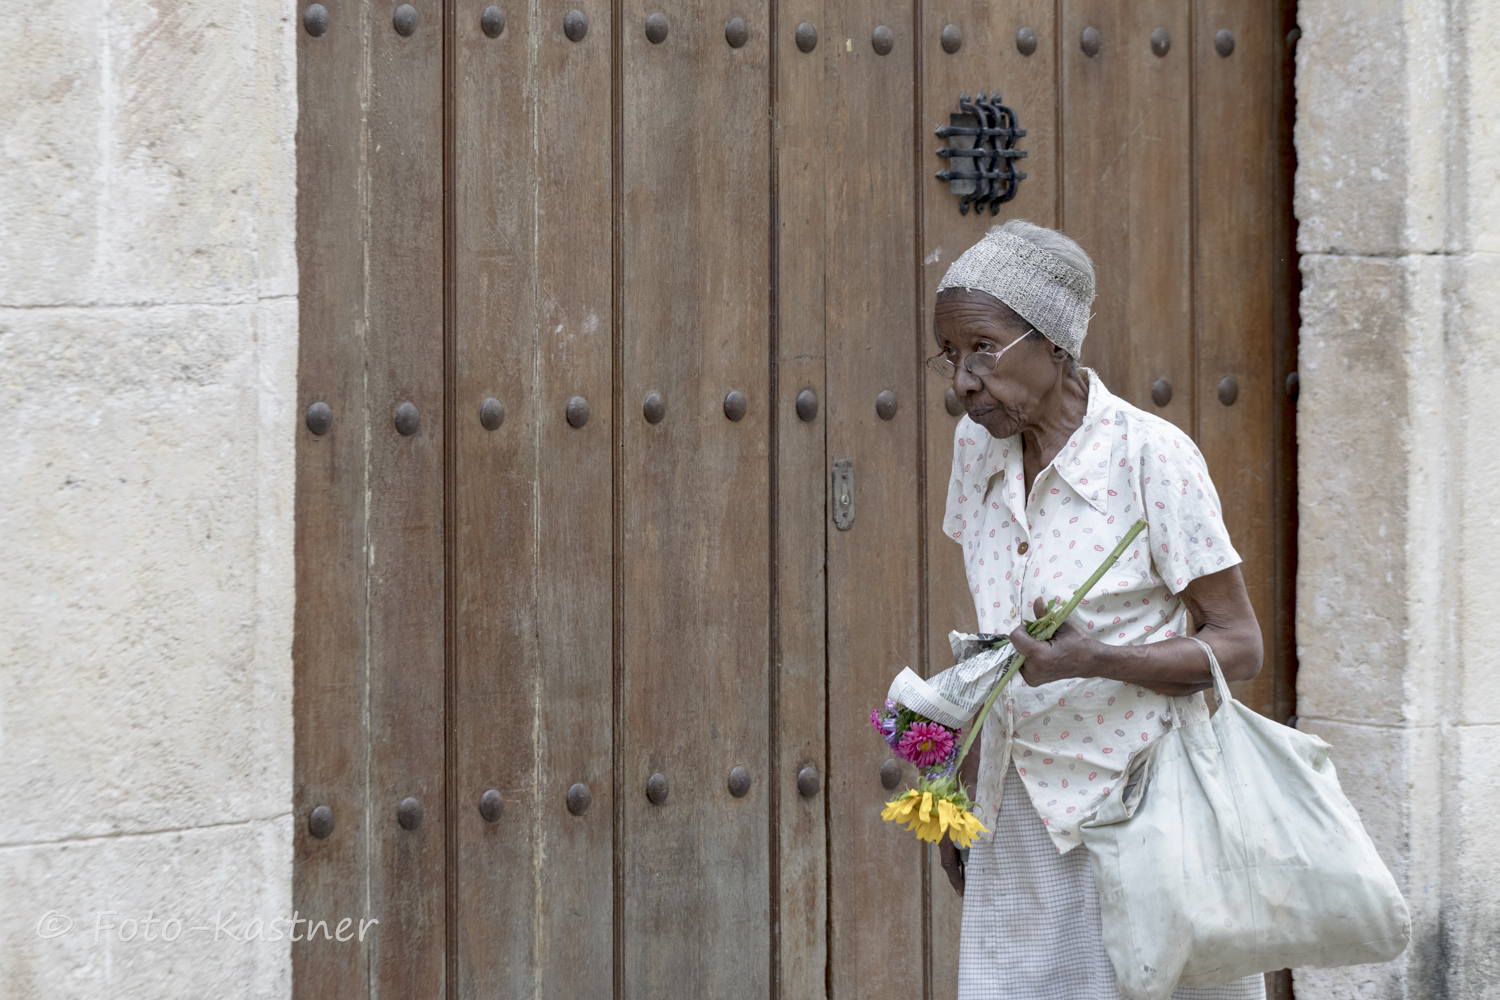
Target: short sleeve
[(970, 476), (953, 514), (1183, 513)]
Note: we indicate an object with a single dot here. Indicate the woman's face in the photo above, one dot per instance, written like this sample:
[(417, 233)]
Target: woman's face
[(1001, 402)]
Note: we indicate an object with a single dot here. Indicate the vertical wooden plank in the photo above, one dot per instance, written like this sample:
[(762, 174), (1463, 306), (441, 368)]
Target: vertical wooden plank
[(495, 550), (1236, 271), (573, 877), (1245, 274), (1127, 193), (987, 60), (874, 570), (695, 548), (404, 364), (801, 118), (329, 644)]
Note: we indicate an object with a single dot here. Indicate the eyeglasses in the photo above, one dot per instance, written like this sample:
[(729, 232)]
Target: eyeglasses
[(979, 364)]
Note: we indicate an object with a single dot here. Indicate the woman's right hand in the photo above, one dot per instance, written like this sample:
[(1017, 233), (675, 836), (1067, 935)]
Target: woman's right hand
[(948, 852)]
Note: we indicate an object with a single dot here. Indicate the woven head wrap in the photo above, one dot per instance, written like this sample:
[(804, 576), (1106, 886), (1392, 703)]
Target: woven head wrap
[(1045, 291)]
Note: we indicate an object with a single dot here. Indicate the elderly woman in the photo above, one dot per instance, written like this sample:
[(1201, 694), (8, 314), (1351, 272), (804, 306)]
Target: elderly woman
[(1049, 471)]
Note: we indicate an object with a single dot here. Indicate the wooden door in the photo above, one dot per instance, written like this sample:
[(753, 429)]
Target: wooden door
[(583, 656)]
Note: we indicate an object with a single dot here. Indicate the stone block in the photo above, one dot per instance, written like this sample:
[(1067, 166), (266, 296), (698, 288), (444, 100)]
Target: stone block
[(1351, 191), (75, 924), (1471, 907), (146, 680), (138, 157), (50, 203), (276, 177), (279, 418), (1366, 528), (1476, 473), (1390, 775), (1355, 982), (1479, 130)]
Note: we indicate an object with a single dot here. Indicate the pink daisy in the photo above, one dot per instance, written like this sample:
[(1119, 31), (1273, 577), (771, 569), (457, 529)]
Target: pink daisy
[(925, 743)]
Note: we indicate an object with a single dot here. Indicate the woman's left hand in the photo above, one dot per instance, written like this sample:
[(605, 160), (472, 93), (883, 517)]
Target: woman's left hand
[(1069, 653)]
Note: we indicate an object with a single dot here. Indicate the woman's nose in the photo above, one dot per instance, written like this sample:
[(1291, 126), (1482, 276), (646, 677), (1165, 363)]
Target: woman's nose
[(965, 382)]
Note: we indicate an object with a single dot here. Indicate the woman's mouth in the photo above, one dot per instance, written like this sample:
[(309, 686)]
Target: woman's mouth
[(978, 410)]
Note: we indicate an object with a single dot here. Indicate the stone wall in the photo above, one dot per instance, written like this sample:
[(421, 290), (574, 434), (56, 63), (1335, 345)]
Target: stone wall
[(1398, 200), (148, 325)]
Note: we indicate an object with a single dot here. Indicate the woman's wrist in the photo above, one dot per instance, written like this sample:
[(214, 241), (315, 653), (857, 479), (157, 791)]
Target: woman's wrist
[(1102, 660), (1172, 666)]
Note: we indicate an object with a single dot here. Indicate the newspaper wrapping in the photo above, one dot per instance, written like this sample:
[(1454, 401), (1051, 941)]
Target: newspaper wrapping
[(953, 696)]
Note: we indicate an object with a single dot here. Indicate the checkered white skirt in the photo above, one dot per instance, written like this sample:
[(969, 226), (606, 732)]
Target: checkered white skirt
[(1031, 928)]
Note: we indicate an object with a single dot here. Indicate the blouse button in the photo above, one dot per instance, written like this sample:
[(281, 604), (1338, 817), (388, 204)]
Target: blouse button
[(1021, 549)]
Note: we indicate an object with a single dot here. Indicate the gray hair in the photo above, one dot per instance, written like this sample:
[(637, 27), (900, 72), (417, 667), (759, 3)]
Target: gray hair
[(1041, 274), (1060, 245)]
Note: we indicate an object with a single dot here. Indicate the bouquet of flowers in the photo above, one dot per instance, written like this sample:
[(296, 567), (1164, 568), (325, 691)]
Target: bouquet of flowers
[(921, 718)]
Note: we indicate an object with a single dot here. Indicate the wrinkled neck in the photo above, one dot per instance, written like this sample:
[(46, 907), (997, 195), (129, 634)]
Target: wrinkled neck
[(1054, 421)]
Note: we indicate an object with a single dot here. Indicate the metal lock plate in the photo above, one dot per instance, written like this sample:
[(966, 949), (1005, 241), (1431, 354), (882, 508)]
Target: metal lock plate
[(843, 494)]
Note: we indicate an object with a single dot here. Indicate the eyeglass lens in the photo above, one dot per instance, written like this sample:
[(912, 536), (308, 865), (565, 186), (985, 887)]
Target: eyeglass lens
[(980, 363)]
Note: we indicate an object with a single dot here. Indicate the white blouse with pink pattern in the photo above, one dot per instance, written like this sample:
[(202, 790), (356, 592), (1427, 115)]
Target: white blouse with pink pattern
[(1072, 740)]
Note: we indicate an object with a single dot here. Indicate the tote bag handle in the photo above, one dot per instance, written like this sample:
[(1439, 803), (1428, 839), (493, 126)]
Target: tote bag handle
[(1221, 686), (1138, 771)]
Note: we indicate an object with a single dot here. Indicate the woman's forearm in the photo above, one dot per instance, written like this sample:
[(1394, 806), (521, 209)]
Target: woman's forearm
[(1219, 606), (1177, 666)]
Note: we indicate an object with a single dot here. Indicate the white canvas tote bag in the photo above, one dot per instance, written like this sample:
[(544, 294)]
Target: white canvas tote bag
[(1233, 851)]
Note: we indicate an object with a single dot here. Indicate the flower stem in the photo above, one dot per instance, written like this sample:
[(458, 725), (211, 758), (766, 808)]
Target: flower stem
[(1044, 628), (1109, 560)]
